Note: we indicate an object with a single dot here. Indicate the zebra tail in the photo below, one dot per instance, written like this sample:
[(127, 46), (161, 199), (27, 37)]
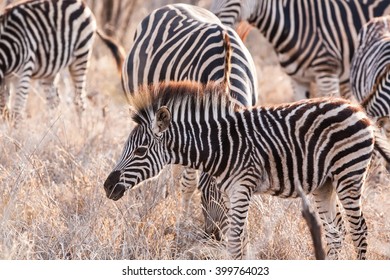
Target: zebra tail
[(382, 145), (228, 60), (115, 48)]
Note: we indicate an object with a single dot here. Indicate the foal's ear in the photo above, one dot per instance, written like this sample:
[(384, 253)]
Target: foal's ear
[(162, 120)]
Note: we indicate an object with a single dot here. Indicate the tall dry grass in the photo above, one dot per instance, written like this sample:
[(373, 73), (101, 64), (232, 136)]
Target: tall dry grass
[(53, 206)]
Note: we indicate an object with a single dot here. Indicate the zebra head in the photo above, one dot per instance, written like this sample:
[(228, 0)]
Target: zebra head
[(143, 156)]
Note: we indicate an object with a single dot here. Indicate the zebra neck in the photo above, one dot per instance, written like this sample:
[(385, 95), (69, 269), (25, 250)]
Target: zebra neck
[(207, 145)]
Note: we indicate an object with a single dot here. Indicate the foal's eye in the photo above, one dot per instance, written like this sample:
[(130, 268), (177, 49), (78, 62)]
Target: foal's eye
[(140, 151)]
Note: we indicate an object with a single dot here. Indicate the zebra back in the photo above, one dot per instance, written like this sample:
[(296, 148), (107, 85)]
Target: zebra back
[(183, 42)]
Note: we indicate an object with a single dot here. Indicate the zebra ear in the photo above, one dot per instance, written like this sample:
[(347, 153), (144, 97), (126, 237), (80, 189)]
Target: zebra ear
[(162, 120)]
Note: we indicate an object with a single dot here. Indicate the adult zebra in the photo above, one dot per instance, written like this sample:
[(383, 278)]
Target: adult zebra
[(314, 40), (370, 68), (324, 146), (184, 42), (38, 39)]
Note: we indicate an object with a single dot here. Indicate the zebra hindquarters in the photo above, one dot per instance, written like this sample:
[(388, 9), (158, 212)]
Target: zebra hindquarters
[(213, 207)]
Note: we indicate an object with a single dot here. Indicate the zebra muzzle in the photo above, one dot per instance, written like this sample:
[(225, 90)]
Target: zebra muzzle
[(114, 190)]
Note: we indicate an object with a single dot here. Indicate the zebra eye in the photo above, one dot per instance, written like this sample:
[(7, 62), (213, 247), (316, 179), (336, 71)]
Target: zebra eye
[(140, 151)]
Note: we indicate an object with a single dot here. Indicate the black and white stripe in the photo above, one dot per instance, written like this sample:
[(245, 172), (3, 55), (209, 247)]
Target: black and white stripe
[(324, 146), (184, 42), (370, 68), (38, 39), (314, 40)]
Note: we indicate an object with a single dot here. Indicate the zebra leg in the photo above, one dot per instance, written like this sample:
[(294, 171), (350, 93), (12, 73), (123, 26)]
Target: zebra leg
[(328, 84), (188, 184), (51, 92), (78, 72), (349, 193), (22, 93), (345, 90), (328, 209), (377, 171), (4, 96), (238, 198), (301, 90), (213, 207)]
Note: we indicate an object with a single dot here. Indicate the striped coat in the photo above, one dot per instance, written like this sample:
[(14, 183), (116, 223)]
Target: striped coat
[(321, 146), (39, 38), (314, 40)]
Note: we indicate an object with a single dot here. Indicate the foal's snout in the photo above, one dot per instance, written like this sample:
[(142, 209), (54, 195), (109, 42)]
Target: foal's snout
[(114, 189)]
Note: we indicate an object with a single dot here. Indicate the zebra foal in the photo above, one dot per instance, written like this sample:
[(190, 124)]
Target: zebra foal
[(324, 146), (184, 42), (39, 38), (314, 40)]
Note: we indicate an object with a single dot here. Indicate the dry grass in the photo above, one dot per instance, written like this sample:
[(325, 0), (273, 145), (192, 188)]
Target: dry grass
[(53, 206)]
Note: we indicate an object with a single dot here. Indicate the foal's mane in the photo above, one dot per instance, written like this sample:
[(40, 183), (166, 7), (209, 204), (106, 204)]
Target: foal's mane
[(178, 94)]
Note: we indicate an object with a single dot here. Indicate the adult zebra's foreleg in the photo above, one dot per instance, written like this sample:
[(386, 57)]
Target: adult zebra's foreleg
[(329, 212), (213, 206), (22, 92), (301, 90), (51, 92), (4, 96), (78, 72), (328, 84), (188, 184), (238, 198)]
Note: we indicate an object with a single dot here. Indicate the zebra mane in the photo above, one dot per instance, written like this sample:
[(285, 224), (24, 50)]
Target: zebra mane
[(185, 95)]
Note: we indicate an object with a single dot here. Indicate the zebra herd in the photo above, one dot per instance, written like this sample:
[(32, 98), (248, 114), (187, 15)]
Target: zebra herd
[(192, 87)]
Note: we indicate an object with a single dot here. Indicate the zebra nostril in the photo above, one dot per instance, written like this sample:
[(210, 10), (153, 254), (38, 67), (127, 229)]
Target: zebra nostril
[(114, 190), (112, 180)]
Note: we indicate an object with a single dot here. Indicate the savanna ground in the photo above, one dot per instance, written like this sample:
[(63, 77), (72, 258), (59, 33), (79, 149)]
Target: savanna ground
[(52, 202)]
